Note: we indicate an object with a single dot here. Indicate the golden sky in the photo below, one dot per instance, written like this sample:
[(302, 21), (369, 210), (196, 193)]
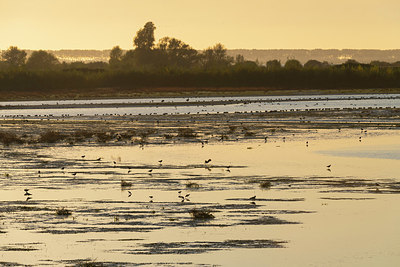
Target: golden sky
[(259, 24)]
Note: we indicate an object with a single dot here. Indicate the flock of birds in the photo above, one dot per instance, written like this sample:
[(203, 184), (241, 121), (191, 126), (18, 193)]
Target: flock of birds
[(185, 197)]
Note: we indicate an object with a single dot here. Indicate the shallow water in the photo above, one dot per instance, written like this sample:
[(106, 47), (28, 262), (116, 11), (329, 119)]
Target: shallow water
[(345, 215), (198, 105)]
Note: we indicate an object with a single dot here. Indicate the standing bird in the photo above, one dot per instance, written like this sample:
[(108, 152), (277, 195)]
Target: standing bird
[(328, 166), (207, 161), (83, 156), (27, 192)]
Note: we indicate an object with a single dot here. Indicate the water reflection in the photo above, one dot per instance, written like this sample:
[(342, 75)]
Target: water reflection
[(308, 215)]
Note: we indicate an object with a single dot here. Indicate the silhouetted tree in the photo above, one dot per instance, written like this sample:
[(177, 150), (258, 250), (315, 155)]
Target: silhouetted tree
[(293, 64), (273, 65), (14, 56), (216, 57), (42, 60), (239, 59), (315, 64), (380, 63), (144, 38), (115, 56), (175, 52)]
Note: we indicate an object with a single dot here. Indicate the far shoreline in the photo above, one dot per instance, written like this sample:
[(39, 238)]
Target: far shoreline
[(168, 92)]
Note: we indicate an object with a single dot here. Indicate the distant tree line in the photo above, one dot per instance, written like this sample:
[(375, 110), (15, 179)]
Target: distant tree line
[(173, 63)]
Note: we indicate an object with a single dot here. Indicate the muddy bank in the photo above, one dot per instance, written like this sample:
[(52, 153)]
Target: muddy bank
[(200, 128)]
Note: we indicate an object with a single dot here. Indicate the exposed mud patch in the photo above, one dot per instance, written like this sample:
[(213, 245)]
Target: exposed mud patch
[(199, 247)]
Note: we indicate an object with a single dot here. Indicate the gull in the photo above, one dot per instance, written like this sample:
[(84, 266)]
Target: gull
[(207, 161), (160, 161), (27, 193), (252, 198), (328, 166), (83, 156), (130, 193)]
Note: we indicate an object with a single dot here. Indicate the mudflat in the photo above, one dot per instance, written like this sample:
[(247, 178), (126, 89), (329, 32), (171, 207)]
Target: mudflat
[(300, 187)]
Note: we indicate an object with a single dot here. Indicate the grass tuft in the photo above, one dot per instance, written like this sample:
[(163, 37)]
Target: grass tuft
[(63, 212), (201, 214), (192, 185), (265, 184)]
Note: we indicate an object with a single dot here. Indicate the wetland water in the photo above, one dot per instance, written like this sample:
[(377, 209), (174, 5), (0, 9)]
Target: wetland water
[(195, 105), (307, 214)]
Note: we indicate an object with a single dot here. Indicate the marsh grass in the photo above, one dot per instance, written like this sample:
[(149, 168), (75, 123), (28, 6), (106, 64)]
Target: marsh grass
[(51, 137), (63, 212), (103, 137), (125, 184), (265, 185), (192, 185), (186, 133), (249, 134), (82, 135), (168, 136), (7, 139), (201, 214)]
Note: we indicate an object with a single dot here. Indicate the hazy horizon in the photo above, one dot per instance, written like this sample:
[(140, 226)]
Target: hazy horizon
[(101, 24)]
